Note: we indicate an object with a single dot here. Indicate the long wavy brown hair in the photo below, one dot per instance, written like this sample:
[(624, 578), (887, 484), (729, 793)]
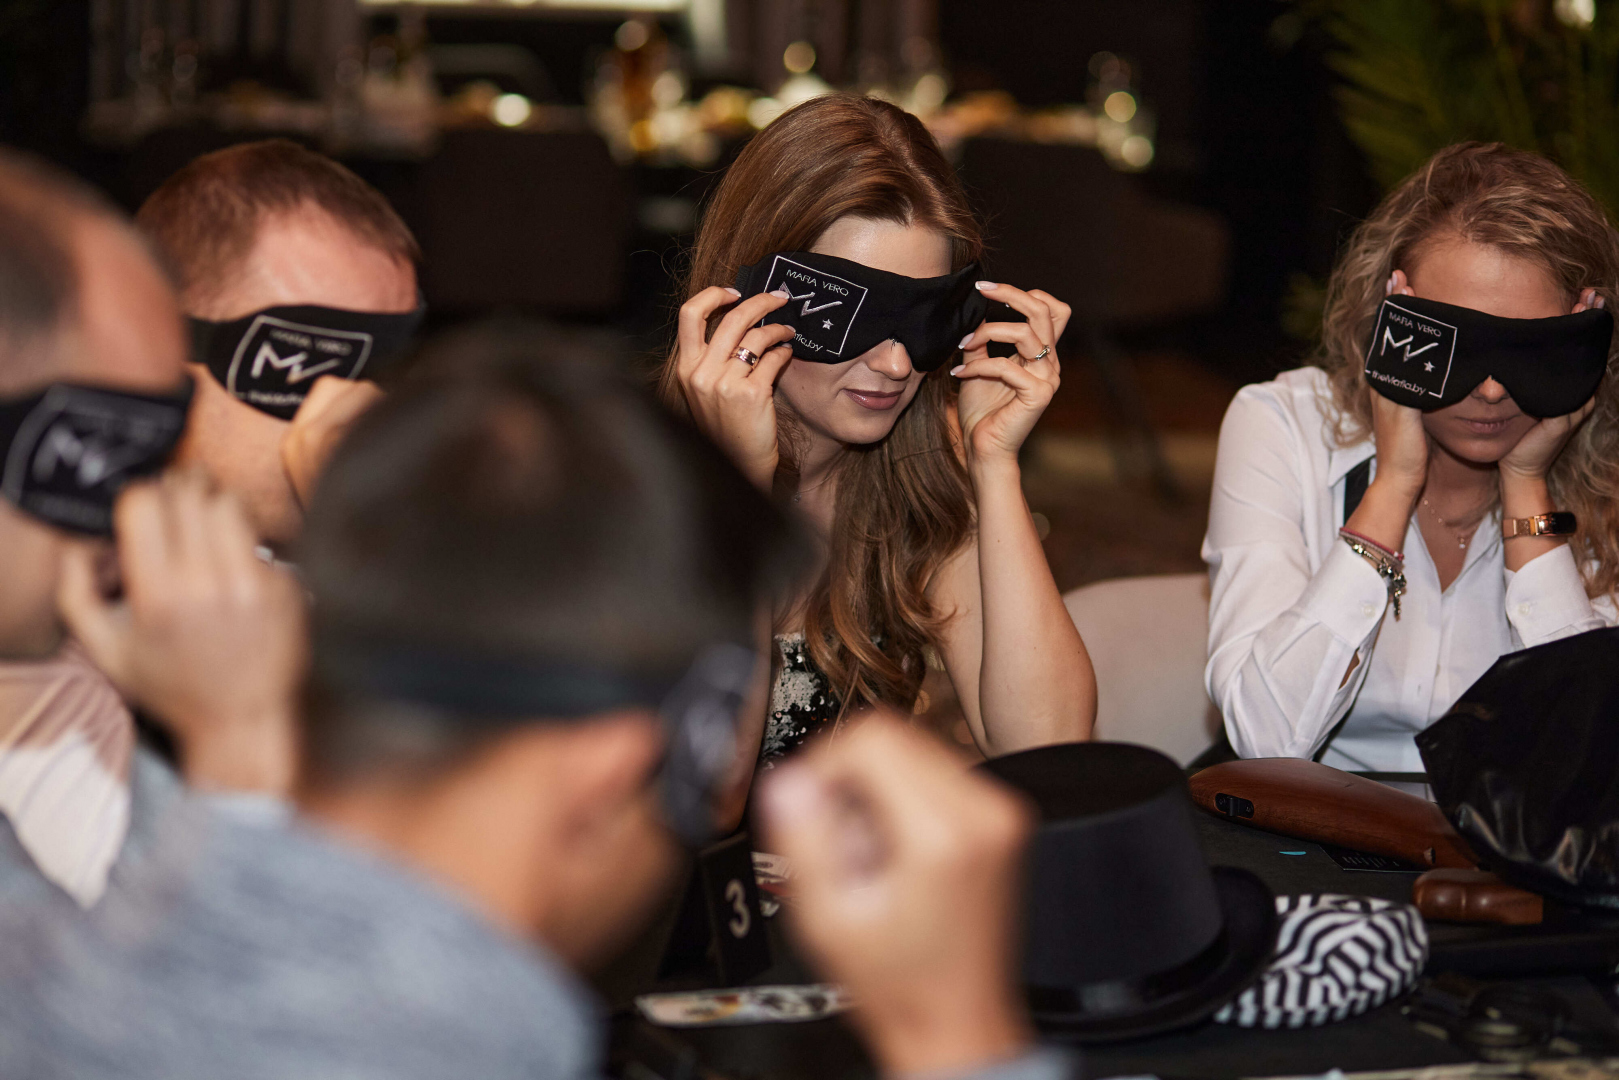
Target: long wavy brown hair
[(903, 506), (1526, 206)]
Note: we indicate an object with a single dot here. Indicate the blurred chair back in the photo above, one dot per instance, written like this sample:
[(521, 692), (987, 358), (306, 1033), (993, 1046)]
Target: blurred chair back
[(537, 221), (1148, 640)]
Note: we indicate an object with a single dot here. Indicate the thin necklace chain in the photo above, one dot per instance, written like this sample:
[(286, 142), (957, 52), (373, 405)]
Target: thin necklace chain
[(1464, 532)]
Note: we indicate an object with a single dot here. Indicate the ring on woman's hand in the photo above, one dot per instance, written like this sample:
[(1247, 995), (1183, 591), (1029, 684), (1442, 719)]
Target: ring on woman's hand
[(746, 355), (1041, 355)]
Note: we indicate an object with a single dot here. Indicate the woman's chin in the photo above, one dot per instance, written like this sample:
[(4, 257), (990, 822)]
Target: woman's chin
[(856, 425), (1480, 450)]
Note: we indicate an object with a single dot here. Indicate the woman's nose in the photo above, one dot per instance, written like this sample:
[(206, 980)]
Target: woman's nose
[(892, 360), (1491, 391)]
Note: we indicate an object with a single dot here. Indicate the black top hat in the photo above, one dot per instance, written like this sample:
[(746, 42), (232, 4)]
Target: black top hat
[(1128, 930)]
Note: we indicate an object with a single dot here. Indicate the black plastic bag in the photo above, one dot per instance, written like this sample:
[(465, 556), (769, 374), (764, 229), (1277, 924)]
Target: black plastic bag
[(1526, 767)]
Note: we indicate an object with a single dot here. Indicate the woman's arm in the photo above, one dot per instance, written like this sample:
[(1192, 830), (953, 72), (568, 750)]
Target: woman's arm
[(1288, 641), (1010, 646)]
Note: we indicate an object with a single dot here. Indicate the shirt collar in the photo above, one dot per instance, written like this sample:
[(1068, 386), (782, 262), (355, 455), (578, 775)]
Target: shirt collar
[(1344, 458)]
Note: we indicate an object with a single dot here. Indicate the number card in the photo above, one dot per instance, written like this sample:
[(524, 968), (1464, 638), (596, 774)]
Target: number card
[(741, 946)]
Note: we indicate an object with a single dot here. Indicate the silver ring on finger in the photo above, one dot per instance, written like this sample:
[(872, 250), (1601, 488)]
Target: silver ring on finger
[(1041, 355), (746, 355)]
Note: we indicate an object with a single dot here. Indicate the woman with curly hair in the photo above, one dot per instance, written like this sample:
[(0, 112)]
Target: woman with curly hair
[(1386, 523), (893, 433)]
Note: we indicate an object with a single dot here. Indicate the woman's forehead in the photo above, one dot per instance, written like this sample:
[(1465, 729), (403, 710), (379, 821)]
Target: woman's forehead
[(908, 249)]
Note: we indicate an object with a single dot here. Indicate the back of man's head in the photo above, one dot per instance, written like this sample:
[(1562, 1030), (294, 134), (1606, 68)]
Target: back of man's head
[(42, 213), (518, 514), (206, 218)]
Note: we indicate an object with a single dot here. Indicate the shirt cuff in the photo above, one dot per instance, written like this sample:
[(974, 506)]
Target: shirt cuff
[(1546, 598), (1347, 595)]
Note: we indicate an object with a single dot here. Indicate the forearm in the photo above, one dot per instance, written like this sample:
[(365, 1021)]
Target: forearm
[(1282, 639), (1384, 513), (1036, 685)]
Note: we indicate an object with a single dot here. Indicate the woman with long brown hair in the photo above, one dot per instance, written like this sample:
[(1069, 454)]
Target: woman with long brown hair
[(1439, 488), (910, 477)]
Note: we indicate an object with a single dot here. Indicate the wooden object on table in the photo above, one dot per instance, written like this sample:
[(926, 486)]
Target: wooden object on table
[(1311, 801), (1475, 896)]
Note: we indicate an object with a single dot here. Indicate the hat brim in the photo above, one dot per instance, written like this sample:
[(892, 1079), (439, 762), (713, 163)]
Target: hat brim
[(1249, 909)]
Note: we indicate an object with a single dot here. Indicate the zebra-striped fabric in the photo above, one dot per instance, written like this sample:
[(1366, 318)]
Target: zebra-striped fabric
[(1336, 957)]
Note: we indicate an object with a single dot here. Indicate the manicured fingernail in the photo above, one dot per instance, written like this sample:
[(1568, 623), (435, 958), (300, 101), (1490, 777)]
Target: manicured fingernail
[(958, 369), (1390, 286), (781, 292), (732, 291), (1601, 302), (984, 286), (962, 344)]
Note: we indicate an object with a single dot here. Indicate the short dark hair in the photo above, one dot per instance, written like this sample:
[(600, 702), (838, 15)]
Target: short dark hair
[(205, 217), (39, 275), (521, 498)]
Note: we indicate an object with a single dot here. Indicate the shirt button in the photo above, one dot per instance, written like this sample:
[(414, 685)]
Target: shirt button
[(1368, 609), (1525, 608)]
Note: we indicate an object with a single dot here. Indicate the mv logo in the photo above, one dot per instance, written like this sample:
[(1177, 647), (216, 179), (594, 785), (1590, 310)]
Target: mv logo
[(1410, 351), (277, 357), (821, 307), (293, 365), (1389, 342), (90, 460)]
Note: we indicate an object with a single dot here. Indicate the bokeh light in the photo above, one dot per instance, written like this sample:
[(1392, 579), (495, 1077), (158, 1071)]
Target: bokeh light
[(1120, 106), (511, 110)]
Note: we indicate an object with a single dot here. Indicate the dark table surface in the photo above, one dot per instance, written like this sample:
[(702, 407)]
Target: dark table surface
[(1380, 1039)]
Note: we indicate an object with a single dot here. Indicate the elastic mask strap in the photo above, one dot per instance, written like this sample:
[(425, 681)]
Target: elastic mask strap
[(699, 710)]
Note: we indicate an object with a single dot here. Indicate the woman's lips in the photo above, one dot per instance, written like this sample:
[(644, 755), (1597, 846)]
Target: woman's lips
[(880, 400), (1486, 427)]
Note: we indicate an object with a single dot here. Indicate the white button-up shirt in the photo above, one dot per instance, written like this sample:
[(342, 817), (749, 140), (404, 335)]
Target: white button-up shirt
[(1291, 606)]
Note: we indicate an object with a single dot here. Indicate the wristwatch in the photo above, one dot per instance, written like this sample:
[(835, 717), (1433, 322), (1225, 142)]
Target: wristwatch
[(1557, 523)]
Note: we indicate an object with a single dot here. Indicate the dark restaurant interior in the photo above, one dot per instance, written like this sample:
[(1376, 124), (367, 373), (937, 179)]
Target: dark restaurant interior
[(1191, 177)]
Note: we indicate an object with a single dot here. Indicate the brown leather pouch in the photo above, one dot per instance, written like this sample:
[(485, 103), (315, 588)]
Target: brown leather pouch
[(1316, 802), (1475, 896)]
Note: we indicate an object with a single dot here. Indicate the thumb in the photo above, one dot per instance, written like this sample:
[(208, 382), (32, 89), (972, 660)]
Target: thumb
[(92, 620)]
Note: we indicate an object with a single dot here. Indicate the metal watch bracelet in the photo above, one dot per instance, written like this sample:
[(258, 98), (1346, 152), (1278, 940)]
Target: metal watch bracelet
[(1557, 523)]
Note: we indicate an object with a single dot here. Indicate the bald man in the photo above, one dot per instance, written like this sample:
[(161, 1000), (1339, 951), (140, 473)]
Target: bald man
[(94, 395)]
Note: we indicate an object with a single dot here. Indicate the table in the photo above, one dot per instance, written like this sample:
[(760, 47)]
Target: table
[(1379, 1039)]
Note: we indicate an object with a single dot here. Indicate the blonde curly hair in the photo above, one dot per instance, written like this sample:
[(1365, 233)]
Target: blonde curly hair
[(1527, 207)]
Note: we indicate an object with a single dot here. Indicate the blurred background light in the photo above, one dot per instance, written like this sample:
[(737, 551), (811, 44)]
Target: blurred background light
[(1120, 106), (511, 110)]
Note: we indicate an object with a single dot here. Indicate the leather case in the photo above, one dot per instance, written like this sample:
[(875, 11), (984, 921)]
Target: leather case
[(1311, 801)]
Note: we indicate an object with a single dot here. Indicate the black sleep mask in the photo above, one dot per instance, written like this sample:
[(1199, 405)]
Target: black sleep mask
[(1428, 355), (66, 451), (841, 309), (271, 358)]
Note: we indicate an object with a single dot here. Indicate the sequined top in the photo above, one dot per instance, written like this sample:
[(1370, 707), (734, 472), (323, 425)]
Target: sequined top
[(801, 702)]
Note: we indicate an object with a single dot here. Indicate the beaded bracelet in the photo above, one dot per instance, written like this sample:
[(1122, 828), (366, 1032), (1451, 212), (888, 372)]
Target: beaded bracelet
[(1390, 565)]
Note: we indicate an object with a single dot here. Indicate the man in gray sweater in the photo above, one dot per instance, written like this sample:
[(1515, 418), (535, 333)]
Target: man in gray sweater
[(535, 597)]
